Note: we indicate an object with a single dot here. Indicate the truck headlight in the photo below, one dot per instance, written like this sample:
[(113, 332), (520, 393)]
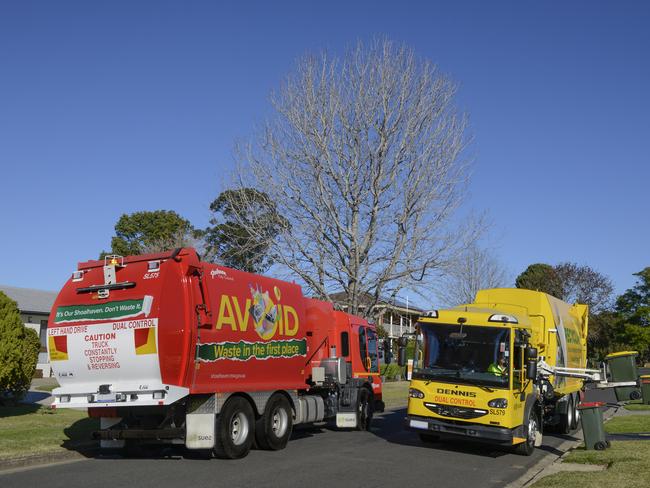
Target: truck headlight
[(498, 403), (415, 393)]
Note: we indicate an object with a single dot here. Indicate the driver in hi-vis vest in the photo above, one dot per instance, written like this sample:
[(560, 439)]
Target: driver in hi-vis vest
[(500, 368)]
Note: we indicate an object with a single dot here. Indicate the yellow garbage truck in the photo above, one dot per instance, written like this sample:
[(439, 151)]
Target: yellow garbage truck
[(498, 370)]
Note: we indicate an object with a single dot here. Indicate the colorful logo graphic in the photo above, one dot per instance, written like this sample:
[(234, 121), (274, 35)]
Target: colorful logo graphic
[(267, 316), (58, 346), (264, 312), (145, 340)]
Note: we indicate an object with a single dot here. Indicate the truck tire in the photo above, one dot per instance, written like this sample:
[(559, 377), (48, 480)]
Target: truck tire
[(567, 419), (235, 429), (527, 448), (364, 409), (273, 428)]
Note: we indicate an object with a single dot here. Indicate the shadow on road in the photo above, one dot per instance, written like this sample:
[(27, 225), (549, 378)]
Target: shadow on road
[(35, 396), (389, 427), (16, 410)]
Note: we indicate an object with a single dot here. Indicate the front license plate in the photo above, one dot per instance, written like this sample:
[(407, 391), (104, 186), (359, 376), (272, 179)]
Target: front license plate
[(418, 424)]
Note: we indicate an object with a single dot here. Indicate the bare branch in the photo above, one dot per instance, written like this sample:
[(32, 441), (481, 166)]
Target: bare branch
[(365, 161)]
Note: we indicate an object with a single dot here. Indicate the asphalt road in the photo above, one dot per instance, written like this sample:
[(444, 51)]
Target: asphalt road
[(315, 457)]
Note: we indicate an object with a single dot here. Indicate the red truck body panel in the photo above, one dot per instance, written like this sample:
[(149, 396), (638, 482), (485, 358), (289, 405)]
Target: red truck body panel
[(195, 325)]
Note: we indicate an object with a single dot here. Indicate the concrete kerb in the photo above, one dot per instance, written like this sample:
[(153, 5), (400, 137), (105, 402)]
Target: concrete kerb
[(19, 463), (551, 463)]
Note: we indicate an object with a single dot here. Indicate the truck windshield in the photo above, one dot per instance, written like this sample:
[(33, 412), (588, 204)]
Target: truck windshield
[(473, 355)]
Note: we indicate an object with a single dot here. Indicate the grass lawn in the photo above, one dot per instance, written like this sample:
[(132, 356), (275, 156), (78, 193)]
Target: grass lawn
[(395, 393), (628, 462), (47, 387), (31, 429), (629, 424), (637, 406), (629, 467)]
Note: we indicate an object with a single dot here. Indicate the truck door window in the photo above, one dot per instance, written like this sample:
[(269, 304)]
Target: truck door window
[(372, 350), (363, 346), (518, 362), (368, 349), (345, 344)]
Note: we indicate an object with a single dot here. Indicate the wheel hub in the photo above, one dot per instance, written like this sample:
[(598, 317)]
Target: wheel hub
[(279, 422), (238, 428)]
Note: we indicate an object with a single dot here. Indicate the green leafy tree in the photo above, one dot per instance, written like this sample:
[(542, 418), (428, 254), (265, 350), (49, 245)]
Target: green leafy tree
[(604, 330), (575, 283), (541, 277), (244, 224), (19, 348), (151, 231), (633, 309), (634, 304)]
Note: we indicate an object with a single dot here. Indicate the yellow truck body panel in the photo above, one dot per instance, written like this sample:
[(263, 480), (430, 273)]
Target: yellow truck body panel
[(455, 392)]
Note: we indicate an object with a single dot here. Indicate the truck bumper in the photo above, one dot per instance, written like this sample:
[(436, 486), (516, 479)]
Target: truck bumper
[(477, 432), (127, 395), (151, 434)]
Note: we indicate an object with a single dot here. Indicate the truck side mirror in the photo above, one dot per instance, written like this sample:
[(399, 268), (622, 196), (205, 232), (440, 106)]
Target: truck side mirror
[(388, 354), (401, 351), (401, 356), (531, 369)]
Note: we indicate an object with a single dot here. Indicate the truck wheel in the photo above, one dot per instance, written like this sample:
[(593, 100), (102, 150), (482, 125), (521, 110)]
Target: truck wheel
[(567, 419), (364, 409), (273, 429), (528, 447), (235, 429)]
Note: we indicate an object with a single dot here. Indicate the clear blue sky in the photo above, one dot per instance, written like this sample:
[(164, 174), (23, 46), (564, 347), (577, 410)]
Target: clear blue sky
[(113, 107)]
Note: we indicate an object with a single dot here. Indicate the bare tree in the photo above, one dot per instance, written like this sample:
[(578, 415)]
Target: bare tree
[(583, 284), (475, 269), (364, 160)]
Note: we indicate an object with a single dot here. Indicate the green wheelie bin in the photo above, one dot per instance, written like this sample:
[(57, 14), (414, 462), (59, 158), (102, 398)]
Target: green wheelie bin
[(622, 367), (645, 388), (591, 418)]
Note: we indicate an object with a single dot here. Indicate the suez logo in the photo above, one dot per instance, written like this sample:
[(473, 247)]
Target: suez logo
[(446, 391)]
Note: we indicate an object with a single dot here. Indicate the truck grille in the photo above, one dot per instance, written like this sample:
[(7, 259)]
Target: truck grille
[(456, 412)]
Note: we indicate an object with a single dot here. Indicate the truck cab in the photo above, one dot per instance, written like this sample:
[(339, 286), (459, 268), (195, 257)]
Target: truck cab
[(474, 372)]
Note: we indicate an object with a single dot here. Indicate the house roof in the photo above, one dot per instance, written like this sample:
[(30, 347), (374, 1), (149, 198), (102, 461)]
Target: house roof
[(29, 299), (385, 301)]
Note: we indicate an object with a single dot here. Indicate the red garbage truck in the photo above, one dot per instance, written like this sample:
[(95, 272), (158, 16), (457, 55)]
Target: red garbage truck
[(165, 348)]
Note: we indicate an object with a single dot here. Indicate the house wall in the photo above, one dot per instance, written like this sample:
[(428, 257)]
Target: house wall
[(38, 323)]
